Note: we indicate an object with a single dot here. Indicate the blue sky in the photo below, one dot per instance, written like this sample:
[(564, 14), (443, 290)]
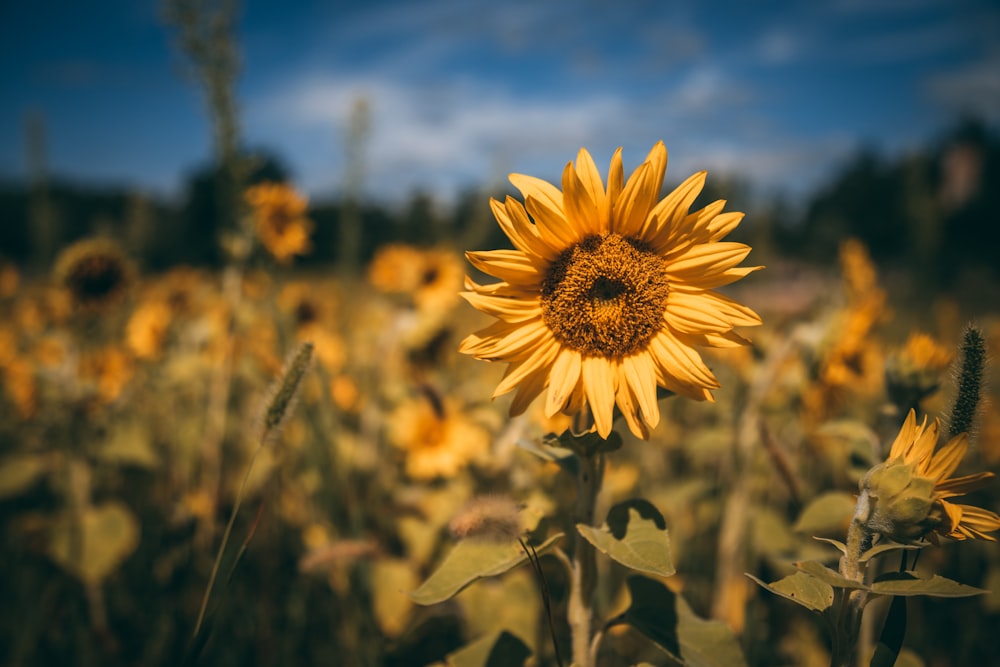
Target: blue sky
[(464, 91)]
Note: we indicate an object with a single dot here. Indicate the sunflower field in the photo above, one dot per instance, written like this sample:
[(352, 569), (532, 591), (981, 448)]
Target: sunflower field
[(599, 422)]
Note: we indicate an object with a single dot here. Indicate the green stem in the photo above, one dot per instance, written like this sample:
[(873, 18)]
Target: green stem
[(222, 545), (583, 577), (850, 604)]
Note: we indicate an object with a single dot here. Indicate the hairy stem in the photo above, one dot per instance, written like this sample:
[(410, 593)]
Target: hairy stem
[(583, 577)]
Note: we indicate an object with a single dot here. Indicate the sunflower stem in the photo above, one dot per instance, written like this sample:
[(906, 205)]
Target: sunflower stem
[(850, 604), (583, 577)]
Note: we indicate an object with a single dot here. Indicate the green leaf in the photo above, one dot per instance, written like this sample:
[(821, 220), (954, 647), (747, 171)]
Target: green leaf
[(890, 641), (905, 583), (19, 472), (827, 514), (130, 443), (471, 560), (500, 649), (92, 547), (828, 576), (666, 619), (590, 443), (634, 535), (803, 589), (885, 548), (837, 544)]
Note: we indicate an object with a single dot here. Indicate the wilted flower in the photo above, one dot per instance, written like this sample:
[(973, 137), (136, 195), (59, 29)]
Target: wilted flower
[(906, 497), (609, 292)]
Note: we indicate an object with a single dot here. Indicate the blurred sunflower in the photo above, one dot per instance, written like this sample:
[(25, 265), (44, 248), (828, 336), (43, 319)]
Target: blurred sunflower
[(313, 315), (609, 292), (94, 271), (147, 327), (438, 439), (107, 371), (907, 496), (916, 370), (279, 214), (430, 277)]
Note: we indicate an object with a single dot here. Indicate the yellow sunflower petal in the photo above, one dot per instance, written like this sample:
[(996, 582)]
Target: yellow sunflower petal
[(671, 211), (616, 181), (502, 340), (514, 222), (680, 361), (640, 375), (905, 436), (632, 208), (504, 308), (599, 384), (596, 213), (511, 266), (539, 362), (563, 381), (538, 189), (552, 224), (947, 458), (959, 486), (706, 258), (628, 406)]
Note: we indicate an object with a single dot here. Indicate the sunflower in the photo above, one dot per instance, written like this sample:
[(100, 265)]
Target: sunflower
[(436, 436), (907, 496), (95, 272), (608, 292), (279, 214)]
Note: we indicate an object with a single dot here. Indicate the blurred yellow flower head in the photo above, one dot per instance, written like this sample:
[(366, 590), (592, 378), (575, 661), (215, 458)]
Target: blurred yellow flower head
[(279, 215), (94, 271), (439, 441)]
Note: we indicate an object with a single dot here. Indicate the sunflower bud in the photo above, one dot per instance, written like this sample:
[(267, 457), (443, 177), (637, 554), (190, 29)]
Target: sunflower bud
[(895, 501)]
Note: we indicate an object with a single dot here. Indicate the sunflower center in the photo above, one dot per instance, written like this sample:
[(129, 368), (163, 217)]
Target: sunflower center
[(605, 296)]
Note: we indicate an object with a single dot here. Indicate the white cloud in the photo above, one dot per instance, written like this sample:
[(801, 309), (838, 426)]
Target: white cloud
[(464, 133), (974, 88)]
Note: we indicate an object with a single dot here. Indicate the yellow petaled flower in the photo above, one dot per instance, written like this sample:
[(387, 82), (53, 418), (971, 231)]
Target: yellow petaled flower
[(907, 496), (146, 330), (438, 439), (279, 213), (431, 277), (95, 272), (915, 371), (609, 292)]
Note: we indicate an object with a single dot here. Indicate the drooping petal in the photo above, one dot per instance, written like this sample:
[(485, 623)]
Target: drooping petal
[(539, 362), (600, 387), (640, 375), (628, 405), (947, 458), (563, 381)]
